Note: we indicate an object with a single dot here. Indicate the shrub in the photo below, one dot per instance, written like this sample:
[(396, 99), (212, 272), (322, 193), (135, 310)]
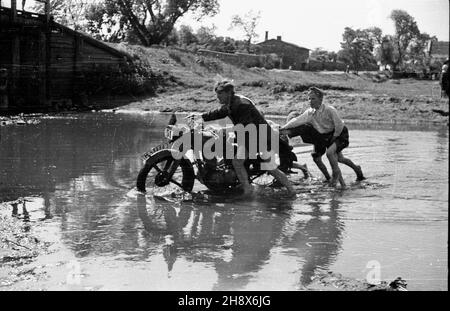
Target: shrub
[(176, 56), (130, 78), (258, 83), (210, 64), (280, 87)]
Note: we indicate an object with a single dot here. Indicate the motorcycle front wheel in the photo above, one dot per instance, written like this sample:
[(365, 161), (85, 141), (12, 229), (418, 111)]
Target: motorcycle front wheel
[(162, 172)]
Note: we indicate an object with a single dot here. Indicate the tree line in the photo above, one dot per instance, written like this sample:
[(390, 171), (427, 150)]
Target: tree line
[(405, 50), (152, 22), (149, 22)]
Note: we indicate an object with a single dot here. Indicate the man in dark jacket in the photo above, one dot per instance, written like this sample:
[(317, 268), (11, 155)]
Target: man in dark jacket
[(242, 111)]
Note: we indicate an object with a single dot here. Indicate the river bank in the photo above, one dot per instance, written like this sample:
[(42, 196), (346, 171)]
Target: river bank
[(187, 79), (352, 106), (367, 96)]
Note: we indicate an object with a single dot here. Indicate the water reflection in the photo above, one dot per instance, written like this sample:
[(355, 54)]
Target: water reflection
[(441, 153), (79, 175), (35, 158), (239, 239), (318, 239), (15, 210)]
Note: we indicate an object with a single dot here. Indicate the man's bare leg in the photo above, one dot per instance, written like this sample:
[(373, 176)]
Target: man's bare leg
[(242, 175), (336, 175), (282, 178), (322, 167), (241, 172), (302, 167), (349, 163)]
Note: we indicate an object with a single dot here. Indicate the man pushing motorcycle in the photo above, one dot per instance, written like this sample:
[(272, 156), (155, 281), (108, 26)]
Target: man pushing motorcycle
[(242, 111)]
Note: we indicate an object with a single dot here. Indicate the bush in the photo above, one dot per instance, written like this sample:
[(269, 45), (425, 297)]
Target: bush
[(258, 83), (176, 56), (210, 64), (272, 61), (280, 87), (130, 78)]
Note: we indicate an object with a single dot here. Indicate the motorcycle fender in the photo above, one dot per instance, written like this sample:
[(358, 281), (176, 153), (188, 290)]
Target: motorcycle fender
[(169, 152)]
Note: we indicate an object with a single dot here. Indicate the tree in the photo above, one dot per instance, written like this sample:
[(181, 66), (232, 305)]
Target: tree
[(375, 35), (248, 24), (386, 52), (70, 13), (356, 49), (417, 57), (186, 35), (222, 44), (152, 21), (323, 55), (406, 30), (205, 34), (105, 25), (172, 39)]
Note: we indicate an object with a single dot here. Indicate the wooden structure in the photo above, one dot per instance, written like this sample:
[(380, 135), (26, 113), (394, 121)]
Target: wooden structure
[(47, 62)]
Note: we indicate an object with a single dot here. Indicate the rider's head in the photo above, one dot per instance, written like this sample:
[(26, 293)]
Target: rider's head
[(315, 97), (224, 91)]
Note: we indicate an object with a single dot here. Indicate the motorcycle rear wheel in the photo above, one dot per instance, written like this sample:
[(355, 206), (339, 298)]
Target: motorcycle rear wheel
[(163, 172)]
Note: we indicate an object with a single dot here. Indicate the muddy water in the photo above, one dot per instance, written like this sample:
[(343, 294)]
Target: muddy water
[(77, 175)]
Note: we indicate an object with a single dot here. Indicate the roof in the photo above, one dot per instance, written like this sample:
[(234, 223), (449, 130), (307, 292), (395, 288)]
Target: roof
[(36, 19), (281, 41), (439, 48), (94, 42)]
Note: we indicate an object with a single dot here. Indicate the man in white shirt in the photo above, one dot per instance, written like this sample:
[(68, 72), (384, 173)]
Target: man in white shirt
[(332, 136)]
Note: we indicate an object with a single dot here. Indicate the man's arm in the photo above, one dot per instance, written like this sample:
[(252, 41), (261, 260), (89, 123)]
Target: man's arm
[(216, 114), (301, 119)]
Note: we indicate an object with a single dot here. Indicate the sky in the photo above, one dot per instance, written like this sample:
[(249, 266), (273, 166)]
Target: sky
[(321, 23)]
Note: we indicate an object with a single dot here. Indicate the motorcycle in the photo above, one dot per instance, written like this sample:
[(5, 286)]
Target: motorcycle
[(165, 164)]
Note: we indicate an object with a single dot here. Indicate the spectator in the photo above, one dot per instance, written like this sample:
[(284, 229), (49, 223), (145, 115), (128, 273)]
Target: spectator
[(445, 79)]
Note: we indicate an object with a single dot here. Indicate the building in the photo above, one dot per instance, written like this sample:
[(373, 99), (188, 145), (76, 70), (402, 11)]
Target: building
[(48, 64), (291, 56)]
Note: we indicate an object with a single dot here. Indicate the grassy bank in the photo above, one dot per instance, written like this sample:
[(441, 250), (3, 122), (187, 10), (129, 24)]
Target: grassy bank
[(170, 79), (189, 79)]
